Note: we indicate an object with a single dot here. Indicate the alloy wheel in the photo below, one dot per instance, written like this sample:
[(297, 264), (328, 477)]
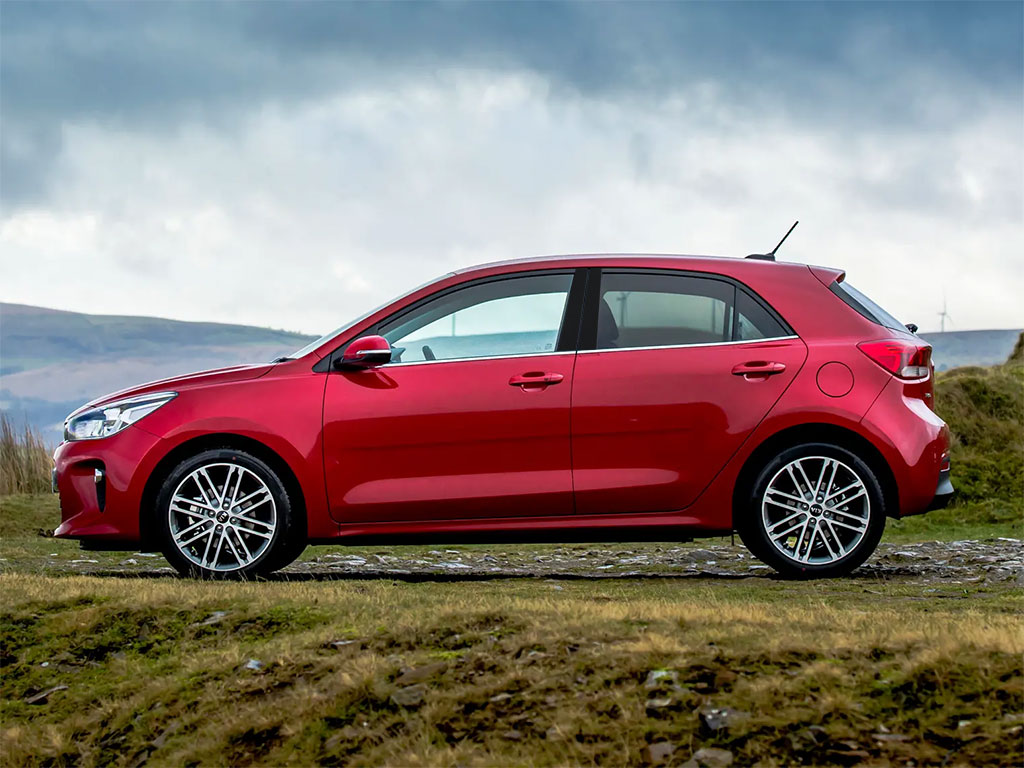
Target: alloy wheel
[(222, 517), (815, 510)]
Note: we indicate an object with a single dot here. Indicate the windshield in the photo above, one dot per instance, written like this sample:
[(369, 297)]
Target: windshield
[(314, 345)]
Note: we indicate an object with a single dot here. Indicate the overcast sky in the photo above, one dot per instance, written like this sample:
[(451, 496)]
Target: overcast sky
[(294, 165)]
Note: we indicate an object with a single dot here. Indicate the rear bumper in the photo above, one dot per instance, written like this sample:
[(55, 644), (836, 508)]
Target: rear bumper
[(944, 492)]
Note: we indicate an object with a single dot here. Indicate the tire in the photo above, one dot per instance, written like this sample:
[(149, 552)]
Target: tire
[(824, 535), (225, 514)]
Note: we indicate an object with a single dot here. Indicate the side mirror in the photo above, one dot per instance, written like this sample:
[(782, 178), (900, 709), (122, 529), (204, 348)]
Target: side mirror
[(365, 352)]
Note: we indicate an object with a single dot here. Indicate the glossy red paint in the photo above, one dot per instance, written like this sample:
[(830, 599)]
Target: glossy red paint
[(570, 443)]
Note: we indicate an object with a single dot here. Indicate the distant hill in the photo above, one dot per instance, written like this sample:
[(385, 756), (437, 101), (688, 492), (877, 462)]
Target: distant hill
[(953, 349), (52, 361)]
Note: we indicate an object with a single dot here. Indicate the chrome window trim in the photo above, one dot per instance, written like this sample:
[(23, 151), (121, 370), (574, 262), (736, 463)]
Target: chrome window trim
[(584, 352), (474, 359), (687, 346)]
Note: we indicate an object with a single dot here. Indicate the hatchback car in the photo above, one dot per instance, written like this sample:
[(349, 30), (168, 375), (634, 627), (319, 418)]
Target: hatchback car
[(573, 398)]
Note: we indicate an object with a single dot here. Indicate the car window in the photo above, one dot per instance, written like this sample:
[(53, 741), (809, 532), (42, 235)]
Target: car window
[(657, 310), (865, 306), (753, 321), (513, 316)]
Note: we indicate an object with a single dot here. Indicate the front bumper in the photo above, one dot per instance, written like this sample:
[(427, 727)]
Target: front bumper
[(101, 482)]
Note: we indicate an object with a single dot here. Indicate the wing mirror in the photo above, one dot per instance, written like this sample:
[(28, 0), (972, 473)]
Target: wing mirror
[(365, 352)]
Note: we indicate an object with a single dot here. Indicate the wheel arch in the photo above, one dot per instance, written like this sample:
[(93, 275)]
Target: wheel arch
[(815, 433), (147, 522)]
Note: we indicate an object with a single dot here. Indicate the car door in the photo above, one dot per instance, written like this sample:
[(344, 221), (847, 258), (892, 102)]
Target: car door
[(471, 417), (674, 371)]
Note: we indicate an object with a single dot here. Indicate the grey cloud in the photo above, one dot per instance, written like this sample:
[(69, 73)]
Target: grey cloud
[(155, 66)]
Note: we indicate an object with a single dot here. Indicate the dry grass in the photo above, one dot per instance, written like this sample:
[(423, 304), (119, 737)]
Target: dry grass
[(526, 673), (24, 459)]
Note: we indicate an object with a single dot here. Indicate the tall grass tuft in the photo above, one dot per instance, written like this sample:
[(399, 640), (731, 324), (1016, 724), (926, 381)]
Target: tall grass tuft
[(24, 459)]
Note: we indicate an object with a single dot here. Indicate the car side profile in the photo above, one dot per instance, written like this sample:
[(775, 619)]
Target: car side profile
[(569, 398)]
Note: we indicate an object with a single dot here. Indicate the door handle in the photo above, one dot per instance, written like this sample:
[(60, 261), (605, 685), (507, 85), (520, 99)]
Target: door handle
[(758, 369), (535, 379)]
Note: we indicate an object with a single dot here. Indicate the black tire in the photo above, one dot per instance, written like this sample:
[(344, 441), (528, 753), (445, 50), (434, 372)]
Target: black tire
[(753, 528), (273, 550)]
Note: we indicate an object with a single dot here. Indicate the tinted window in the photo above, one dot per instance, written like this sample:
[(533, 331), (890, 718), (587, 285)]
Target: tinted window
[(753, 321), (515, 316), (658, 310), (865, 306)]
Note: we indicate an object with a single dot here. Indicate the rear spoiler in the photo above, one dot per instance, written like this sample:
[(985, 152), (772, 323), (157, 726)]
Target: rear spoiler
[(828, 275)]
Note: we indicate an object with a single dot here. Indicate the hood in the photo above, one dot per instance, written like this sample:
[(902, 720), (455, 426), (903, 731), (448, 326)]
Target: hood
[(188, 381)]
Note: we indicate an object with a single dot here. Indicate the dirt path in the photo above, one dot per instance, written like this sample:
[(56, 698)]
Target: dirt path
[(995, 561)]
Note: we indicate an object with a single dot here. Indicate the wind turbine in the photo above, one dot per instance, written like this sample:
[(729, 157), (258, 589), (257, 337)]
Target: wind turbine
[(943, 315)]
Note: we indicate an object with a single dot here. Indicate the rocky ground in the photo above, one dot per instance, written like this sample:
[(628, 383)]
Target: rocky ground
[(997, 560)]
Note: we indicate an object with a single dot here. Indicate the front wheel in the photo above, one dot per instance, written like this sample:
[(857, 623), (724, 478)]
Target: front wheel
[(225, 514), (815, 511)]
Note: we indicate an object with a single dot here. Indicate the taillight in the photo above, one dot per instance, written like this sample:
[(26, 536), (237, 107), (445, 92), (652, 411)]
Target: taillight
[(904, 359)]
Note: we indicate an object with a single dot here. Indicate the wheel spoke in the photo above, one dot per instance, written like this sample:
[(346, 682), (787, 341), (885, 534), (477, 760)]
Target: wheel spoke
[(238, 558), (810, 543), (248, 554), (796, 483), (209, 490), (823, 527), (850, 487), (206, 552), (775, 526), (783, 494), (179, 499), (821, 477), (216, 554), (779, 504), (251, 532), (185, 542), (861, 529), (835, 537), (238, 487), (855, 496), (803, 474), (784, 534), (261, 491)]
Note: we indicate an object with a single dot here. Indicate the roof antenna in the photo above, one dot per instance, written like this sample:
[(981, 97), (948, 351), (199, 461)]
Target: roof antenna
[(771, 256)]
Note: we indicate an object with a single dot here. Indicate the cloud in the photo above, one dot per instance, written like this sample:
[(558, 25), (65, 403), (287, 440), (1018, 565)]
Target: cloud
[(293, 165)]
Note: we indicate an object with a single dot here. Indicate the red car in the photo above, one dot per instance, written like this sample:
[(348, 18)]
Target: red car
[(564, 398)]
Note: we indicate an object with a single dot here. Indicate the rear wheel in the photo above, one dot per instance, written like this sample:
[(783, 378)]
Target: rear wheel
[(226, 514), (815, 511)]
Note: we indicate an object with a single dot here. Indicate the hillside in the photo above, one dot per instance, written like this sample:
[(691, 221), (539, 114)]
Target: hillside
[(957, 348)]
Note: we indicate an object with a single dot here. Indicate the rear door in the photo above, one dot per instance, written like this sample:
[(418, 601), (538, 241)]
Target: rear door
[(675, 370)]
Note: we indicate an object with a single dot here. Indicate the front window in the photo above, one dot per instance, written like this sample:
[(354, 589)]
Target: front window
[(498, 318)]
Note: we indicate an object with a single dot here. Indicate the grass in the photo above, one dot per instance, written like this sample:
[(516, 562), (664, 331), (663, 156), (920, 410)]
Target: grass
[(510, 672), (24, 459)]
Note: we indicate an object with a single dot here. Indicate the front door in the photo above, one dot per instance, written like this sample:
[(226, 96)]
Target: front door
[(471, 417), (682, 369)]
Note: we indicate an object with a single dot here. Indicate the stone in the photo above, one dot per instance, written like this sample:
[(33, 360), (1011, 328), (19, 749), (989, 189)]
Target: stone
[(659, 752), (42, 696), (410, 696), (419, 674), (710, 757)]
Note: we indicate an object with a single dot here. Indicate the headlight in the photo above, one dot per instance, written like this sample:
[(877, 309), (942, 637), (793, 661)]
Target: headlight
[(111, 418)]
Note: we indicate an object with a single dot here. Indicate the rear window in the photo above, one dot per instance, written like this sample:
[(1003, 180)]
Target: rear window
[(865, 306)]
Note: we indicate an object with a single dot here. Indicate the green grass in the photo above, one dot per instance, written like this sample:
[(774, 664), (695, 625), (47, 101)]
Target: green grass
[(514, 672)]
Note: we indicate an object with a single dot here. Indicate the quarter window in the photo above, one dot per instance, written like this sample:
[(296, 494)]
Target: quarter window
[(753, 321), (514, 316)]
